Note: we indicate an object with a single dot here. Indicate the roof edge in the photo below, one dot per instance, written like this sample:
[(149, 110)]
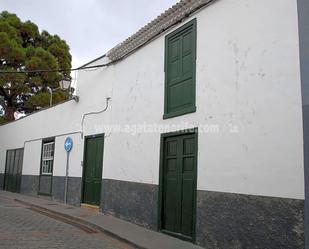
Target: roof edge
[(94, 60), (171, 17), (35, 112)]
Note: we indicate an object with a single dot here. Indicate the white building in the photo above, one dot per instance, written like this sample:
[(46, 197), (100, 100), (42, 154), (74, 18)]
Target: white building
[(227, 71)]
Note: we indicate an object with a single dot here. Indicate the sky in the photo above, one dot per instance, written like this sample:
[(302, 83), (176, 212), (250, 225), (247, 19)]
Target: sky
[(89, 27)]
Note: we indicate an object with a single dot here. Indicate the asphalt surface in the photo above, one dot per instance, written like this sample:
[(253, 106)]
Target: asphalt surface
[(24, 228)]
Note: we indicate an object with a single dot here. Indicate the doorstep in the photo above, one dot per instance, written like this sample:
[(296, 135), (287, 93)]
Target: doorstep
[(84, 205), (138, 236)]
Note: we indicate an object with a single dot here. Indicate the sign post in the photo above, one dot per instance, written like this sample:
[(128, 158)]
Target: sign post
[(68, 145)]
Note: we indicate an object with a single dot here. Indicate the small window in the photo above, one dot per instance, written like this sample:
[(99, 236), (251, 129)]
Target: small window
[(48, 149), (180, 67)]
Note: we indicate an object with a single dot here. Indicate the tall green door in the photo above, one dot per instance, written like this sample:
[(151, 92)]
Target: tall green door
[(92, 176), (13, 170), (178, 202)]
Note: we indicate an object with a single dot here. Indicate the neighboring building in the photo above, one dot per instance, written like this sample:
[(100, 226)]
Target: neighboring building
[(228, 69)]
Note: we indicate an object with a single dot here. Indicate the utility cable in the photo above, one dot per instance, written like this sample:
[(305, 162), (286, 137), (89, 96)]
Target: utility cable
[(55, 70)]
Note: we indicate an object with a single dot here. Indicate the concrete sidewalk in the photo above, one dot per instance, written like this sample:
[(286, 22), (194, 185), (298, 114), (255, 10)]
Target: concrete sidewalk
[(138, 236)]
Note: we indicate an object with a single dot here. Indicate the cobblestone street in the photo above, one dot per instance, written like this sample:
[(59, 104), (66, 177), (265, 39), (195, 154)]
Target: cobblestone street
[(22, 228)]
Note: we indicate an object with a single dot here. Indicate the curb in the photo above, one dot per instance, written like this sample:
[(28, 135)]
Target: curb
[(77, 222)]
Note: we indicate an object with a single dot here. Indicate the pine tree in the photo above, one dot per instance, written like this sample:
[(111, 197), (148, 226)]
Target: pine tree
[(24, 47)]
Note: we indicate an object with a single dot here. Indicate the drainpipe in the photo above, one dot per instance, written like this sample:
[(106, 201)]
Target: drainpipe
[(93, 113)]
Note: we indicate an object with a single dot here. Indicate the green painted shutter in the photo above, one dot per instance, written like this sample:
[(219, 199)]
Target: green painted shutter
[(180, 67)]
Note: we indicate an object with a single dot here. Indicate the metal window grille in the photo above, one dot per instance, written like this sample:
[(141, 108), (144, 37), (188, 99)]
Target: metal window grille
[(48, 158)]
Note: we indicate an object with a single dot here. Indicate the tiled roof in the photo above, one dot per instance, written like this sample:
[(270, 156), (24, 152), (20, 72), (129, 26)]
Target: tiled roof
[(170, 17)]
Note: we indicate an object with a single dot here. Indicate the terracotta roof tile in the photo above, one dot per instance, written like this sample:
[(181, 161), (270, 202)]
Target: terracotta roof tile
[(167, 19)]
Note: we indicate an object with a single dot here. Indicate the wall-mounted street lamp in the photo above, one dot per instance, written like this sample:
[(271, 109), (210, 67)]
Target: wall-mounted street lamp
[(65, 84)]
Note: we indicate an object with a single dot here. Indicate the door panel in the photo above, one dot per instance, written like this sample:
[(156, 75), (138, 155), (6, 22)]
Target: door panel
[(19, 170), (179, 185), (11, 171), (13, 182), (172, 209), (88, 193), (188, 180), (97, 175), (92, 179), (187, 205), (8, 168)]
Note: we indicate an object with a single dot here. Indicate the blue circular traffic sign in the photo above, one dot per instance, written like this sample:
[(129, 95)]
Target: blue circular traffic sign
[(68, 144)]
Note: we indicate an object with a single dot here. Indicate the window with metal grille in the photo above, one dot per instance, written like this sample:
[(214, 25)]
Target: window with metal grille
[(47, 158)]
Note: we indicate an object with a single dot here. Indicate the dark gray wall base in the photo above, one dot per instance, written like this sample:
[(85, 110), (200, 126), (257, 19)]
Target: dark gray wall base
[(134, 202), (74, 189), (58, 188), (1, 181), (224, 220), (45, 184), (241, 221), (29, 184), (303, 28), (306, 166)]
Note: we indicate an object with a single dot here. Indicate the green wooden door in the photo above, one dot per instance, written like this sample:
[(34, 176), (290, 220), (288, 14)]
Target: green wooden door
[(179, 185), (13, 170), (92, 179)]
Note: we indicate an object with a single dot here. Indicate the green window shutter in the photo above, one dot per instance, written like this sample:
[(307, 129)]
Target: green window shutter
[(180, 70)]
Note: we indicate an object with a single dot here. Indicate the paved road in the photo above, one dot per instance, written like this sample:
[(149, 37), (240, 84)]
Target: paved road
[(22, 228)]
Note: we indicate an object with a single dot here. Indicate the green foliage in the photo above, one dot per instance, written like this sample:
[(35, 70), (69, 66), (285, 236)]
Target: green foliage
[(24, 47), (43, 98), (2, 120)]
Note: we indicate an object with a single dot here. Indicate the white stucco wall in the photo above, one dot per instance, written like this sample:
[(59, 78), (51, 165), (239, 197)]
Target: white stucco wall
[(75, 157), (32, 158), (248, 89)]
